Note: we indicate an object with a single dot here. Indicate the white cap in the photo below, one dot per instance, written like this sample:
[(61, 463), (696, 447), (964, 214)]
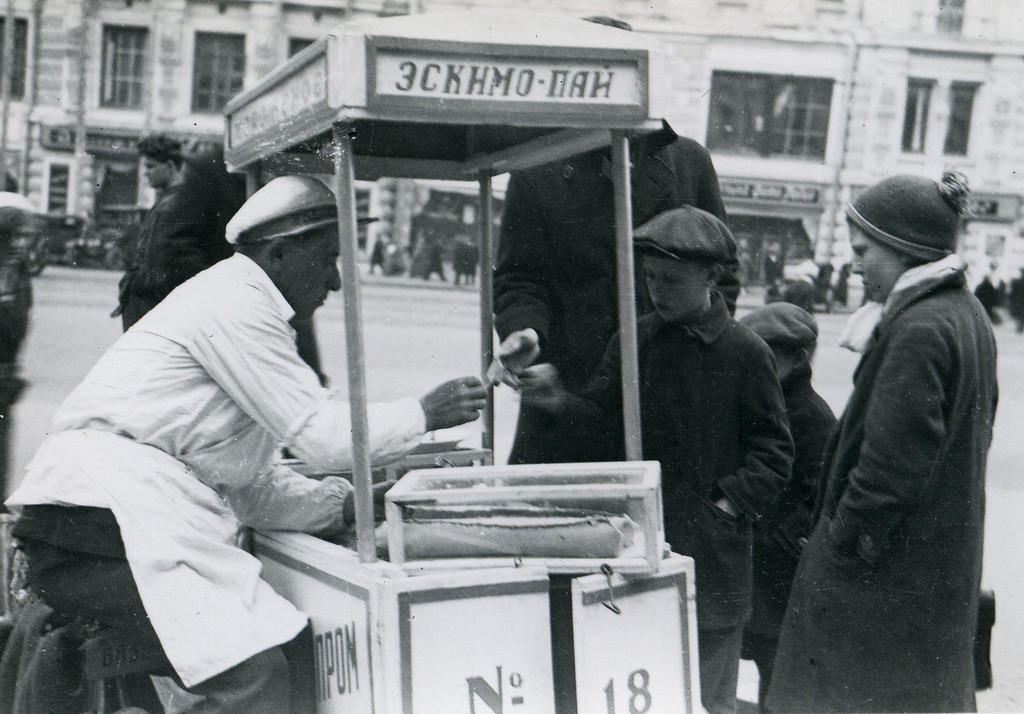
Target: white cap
[(286, 206)]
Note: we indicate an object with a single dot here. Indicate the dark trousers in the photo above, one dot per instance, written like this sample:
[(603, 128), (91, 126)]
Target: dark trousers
[(719, 668), (102, 588)]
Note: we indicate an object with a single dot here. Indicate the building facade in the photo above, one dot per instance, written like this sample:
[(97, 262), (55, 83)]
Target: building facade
[(802, 103), (91, 77)]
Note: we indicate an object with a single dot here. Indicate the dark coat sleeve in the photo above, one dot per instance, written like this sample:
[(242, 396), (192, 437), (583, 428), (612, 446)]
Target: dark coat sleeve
[(522, 297), (767, 460), (184, 240), (596, 412), (904, 429), (811, 423)]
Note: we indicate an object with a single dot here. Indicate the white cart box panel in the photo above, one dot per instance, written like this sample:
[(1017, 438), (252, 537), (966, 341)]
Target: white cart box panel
[(642, 659), (384, 642), (488, 516)]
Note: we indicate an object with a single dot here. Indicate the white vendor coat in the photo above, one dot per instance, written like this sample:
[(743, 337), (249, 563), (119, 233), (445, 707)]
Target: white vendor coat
[(175, 430)]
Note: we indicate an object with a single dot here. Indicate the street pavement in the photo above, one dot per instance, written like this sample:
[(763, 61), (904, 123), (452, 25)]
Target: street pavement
[(419, 333)]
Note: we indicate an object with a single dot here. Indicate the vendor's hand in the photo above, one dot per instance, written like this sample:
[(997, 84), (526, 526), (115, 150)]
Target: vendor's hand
[(348, 508), (519, 350), (542, 388), (453, 403)]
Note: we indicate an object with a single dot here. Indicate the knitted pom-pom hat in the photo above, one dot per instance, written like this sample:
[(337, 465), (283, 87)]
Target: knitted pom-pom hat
[(913, 215)]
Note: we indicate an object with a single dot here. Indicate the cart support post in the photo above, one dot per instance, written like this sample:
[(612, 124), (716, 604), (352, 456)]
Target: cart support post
[(487, 302), (627, 295), (345, 197)]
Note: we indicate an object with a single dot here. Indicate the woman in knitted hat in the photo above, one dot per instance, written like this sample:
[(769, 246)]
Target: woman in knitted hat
[(883, 608)]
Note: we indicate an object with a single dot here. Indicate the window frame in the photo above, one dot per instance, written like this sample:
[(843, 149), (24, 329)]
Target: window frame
[(915, 119), (776, 115), (19, 76), (206, 59), (64, 168), (114, 82), (958, 133), (949, 18)]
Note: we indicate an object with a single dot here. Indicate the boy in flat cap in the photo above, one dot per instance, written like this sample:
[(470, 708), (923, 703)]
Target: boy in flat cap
[(884, 604), (132, 507), (712, 413), (792, 334)]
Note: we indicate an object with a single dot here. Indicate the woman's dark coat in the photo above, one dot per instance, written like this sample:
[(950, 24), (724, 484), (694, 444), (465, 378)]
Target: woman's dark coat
[(883, 609), (712, 413), (555, 268)]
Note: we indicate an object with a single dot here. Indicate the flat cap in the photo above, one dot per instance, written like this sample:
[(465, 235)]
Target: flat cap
[(287, 206), (782, 324), (687, 232)]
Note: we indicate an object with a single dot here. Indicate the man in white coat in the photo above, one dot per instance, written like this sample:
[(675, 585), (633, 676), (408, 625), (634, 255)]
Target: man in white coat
[(131, 509)]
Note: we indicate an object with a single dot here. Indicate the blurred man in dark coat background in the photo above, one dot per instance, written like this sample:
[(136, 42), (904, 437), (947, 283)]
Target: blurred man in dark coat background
[(183, 233)]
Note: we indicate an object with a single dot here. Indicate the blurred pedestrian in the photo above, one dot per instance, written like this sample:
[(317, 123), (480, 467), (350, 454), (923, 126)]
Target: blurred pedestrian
[(792, 335), (465, 260), (801, 293), (988, 296), (377, 256), (15, 305), (712, 413), (841, 289), (1016, 300), (884, 605)]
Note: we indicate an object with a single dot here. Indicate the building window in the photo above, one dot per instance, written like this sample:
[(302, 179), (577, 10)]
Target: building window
[(20, 48), (769, 114), (124, 66), (57, 196), (961, 104), (951, 17), (915, 117), (297, 44), (218, 70)]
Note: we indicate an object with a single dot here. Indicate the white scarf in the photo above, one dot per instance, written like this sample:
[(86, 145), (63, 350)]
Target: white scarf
[(861, 326)]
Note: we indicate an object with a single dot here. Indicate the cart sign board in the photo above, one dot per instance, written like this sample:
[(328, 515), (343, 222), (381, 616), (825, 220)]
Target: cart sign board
[(643, 659), (457, 656), (450, 78), (339, 616), (296, 99)]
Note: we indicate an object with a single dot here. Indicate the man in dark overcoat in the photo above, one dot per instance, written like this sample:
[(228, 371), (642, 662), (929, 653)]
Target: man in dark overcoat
[(555, 276), (882, 612), (183, 233)]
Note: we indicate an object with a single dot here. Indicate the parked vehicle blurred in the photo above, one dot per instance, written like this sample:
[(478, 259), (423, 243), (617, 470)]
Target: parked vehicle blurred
[(30, 239)]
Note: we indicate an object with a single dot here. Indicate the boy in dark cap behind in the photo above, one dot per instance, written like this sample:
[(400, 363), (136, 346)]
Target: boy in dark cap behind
[(712, 413), (792, 334)]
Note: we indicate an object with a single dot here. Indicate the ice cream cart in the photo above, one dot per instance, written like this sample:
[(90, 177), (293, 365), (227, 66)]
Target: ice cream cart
[(469, 96)]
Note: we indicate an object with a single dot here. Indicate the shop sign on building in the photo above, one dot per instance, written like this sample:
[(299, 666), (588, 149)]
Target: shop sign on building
[(771, 191), (62, 138), (989, 207)]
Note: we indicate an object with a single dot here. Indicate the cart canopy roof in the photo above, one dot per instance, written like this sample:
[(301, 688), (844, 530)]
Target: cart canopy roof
[(448, 95)]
